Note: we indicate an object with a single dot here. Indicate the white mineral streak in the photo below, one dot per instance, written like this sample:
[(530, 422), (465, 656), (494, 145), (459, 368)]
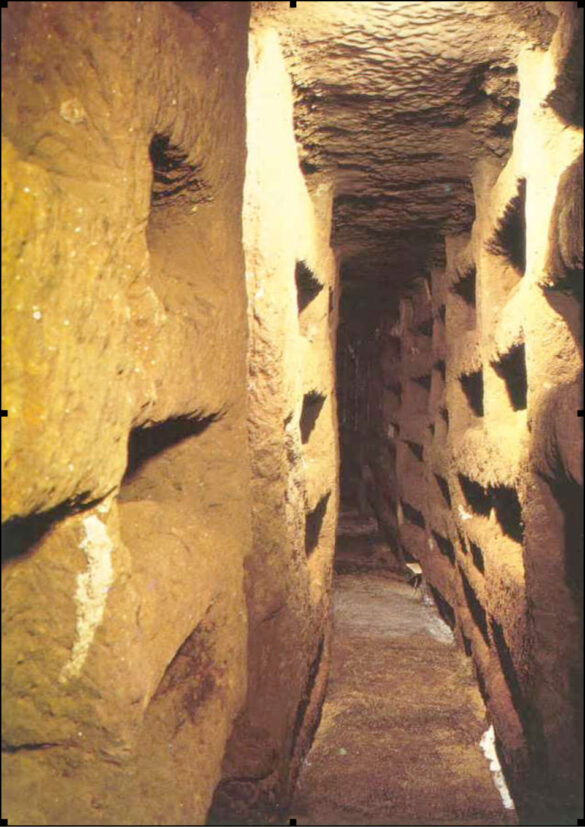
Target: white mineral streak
[(92, 592), (488, 747)]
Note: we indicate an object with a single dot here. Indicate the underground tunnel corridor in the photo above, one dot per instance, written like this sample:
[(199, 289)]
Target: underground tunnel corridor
[(292, 465)]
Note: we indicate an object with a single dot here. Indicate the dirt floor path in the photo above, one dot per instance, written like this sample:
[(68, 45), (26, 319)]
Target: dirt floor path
[(398, 742)]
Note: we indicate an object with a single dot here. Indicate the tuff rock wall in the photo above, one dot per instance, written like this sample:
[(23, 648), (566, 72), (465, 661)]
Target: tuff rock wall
[(478, 382), (291, 276), (170, 454)]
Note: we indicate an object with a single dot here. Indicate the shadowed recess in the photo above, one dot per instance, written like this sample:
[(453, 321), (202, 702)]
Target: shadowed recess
[(465, 287), (308, 285), (476, 496), (314, 524), (445, 546), (145, 442), (445, 608), (21, 534), (413, 515), (509, 238), (508, 511), (477, 556), (472, 387), (415, 449), (424, 381), (512, 369), (444, 489), (478, 613), (175, 178), (312, 404)]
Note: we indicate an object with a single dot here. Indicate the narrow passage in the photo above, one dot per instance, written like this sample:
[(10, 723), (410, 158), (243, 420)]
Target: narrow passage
[(399, 736)]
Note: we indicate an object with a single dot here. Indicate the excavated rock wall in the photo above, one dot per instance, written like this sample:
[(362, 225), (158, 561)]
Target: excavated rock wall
[(291, 276), (170, 457), (481, 379), (126, 501)]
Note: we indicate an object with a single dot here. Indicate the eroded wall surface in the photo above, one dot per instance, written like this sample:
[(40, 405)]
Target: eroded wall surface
[(125, 464), (481, 379), (291, 277)]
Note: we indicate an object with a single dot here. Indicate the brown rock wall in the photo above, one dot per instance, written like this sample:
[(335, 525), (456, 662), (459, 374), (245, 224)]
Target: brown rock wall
[(125, 465)]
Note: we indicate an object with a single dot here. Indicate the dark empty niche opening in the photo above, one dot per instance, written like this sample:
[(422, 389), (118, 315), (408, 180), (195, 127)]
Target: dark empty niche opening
[(508, 511), (481, 683), (308, 285), (175, 178), (477, 611), (424, 381), (314, 523), (466, 644), (512, 369), (145, 442), (477, 556), (312, 405), (461, 538), (476, 496), (306, 698), (510, 674), (444, 489), (509, 238), (472, 386), (415, 448), (425, 328), (439, 366), (445, 546), (432, 429), (465, 287), (20, 535), (442, 313), (445, 608), (413, 515), (444, 416)]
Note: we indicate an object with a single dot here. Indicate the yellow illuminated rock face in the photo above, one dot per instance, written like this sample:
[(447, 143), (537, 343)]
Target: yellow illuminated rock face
[(195, 196)]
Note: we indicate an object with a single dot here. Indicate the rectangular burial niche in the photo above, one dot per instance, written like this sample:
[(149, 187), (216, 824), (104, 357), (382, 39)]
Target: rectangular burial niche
[(472, 387), (508, 511), (415, 449), (439, 366), (145, 442), (477, 556), (477, 611), (509, 238), (314, 523), (444, 489), (413, 515), (20, 535), (308, 285), (175, 178), (312, 404), (512, 369), (444, 607), (476, 496), (445, 546), (465, 286), (424, 381)]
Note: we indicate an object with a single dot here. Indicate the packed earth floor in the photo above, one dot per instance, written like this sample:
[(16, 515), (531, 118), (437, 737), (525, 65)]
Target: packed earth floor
[(398, 741)]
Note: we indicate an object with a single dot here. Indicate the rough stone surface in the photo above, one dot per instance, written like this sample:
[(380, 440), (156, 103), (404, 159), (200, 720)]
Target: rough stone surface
[(401, 725), (291, 277), (125, 470), (471, 421), (395, 102)]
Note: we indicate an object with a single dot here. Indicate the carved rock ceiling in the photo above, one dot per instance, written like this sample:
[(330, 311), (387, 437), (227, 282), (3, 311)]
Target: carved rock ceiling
[(395, 102)]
